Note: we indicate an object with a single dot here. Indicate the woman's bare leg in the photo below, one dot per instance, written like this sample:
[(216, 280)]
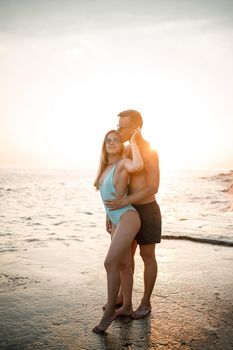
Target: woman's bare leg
[(126, 273), (119, 301), (123, 236), (122, 271)]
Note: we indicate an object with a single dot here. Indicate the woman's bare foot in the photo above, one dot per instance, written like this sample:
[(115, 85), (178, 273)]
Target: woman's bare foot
[(98, 330), (119, 303), (124, 311), (142, 311), (105, 322)]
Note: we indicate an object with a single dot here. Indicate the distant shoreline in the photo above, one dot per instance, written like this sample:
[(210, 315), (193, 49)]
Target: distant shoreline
[(200, 240)]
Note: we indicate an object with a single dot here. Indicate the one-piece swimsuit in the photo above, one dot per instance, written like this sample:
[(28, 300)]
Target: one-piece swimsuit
[(106, 190)]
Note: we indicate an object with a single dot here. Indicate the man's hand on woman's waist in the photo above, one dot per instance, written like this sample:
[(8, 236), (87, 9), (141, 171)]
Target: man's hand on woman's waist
[(116, 203)]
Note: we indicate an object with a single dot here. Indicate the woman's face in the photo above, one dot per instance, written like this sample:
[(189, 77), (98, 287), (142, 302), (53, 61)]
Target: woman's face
[(113, 143)]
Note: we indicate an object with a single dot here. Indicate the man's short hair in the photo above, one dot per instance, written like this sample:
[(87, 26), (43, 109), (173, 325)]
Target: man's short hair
[(135, 117)]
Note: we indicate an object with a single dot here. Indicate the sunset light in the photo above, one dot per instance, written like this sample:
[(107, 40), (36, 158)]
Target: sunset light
[(101, 246), (61, 93)]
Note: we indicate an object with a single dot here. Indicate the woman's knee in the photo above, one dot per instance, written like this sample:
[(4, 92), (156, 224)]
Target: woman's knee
[(109, 264)]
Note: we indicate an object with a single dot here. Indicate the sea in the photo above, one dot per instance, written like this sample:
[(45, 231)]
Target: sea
[(39, 206)]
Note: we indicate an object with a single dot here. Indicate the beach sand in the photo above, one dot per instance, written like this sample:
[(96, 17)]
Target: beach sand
[(51, 297)]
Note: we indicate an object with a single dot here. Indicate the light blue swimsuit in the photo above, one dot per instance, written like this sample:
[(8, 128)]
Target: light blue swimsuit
[(106, 189)]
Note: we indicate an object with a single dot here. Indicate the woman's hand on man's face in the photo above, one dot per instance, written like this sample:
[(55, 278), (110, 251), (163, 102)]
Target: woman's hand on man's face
[(135, 135)]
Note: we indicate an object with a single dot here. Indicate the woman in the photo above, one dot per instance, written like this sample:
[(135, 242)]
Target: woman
[(113, 176)]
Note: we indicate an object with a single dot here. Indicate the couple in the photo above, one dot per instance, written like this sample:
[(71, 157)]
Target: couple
[(132, 218)]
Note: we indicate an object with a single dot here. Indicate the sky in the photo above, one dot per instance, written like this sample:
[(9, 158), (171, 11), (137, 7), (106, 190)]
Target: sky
[(67, 68)]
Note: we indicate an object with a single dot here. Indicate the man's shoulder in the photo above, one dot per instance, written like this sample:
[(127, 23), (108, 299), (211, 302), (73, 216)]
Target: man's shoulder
[(149, 150), (151, 159), (154, 153), (146, 150)]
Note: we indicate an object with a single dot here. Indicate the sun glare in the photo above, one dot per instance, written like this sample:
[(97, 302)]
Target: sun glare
[(70, 95)]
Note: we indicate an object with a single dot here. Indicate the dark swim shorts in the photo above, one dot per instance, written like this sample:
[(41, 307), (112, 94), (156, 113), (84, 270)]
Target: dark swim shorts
[(151, 223)]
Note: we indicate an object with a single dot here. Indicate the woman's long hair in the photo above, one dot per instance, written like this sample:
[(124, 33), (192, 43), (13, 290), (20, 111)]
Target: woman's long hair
[(103, 159)]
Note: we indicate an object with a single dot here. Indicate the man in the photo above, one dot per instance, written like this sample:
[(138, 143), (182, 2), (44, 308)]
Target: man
[(142, 189)]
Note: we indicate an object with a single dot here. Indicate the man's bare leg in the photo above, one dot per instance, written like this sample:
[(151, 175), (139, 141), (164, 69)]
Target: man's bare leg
[(147, 253)]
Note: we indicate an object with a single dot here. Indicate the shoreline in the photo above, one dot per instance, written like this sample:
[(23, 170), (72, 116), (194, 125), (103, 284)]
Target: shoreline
[(199, 240), (51, 297)]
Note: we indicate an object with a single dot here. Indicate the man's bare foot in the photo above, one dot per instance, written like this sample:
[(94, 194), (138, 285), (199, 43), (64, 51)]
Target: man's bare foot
[(142, 311), (105, 322), (124, 311)]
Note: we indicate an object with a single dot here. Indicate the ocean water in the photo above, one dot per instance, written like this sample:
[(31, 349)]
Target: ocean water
[(38, 207), (52, 248)]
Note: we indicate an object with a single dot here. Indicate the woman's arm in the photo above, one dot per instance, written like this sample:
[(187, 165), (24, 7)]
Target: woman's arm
[(136, 163), (153, 177)]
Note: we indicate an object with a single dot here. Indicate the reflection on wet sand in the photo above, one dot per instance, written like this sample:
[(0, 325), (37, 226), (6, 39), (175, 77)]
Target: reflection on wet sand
[(50, 298)]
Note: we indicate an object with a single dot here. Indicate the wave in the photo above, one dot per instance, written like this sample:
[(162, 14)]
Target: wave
[(229, 173), (230, 189), (4, 250), (200, 240), (59, 223), (226, 179)]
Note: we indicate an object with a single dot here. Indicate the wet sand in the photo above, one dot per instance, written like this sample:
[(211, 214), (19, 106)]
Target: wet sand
[(51, 297)]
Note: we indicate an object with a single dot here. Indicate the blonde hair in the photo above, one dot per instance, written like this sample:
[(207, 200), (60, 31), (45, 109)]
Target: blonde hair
[(103, 159)]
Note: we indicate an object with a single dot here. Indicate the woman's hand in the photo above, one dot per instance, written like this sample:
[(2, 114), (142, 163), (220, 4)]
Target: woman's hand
[(108, 225), (116, 203), (135, 135)]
